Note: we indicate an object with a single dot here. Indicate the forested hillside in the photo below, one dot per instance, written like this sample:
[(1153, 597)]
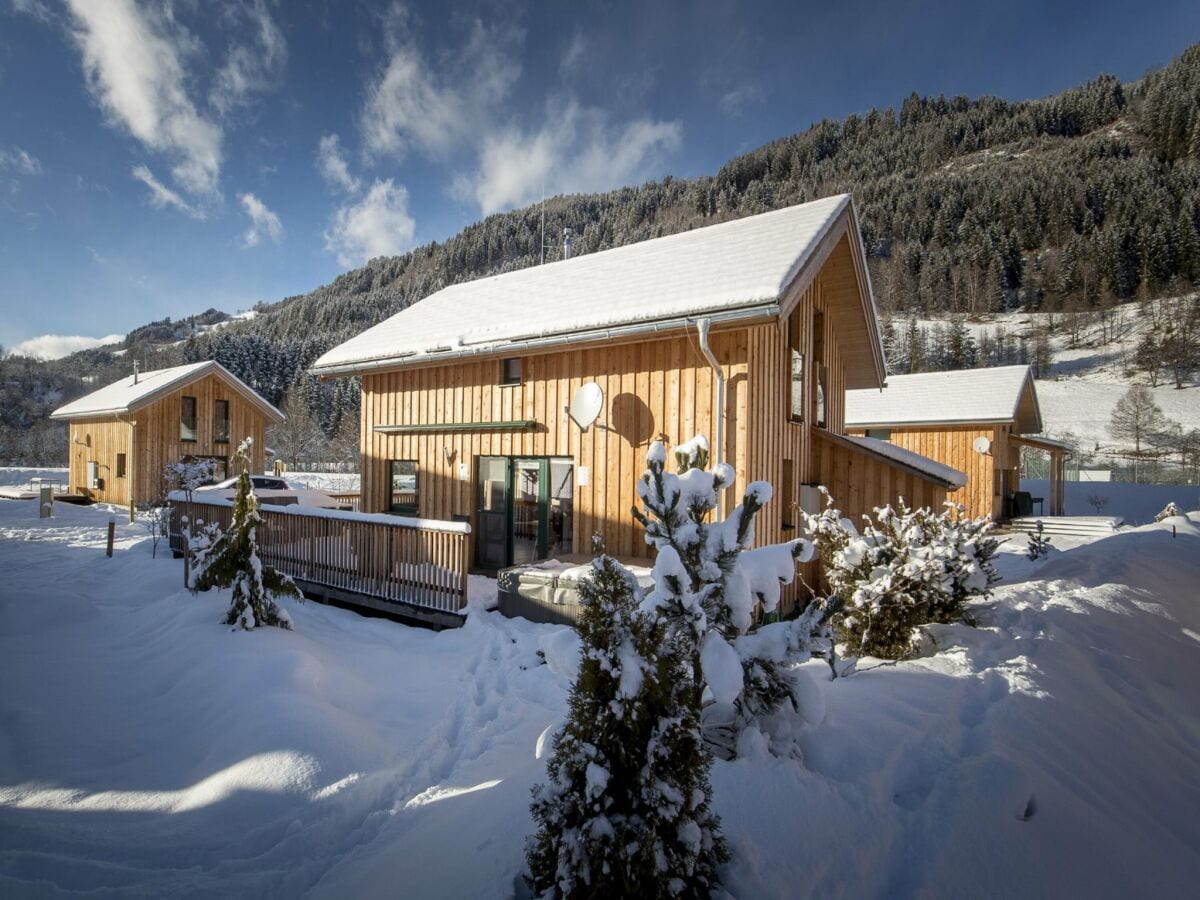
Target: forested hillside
[(1072, 203)]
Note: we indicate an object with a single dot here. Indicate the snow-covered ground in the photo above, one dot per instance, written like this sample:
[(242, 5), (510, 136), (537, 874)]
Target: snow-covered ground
[(147, 751), (1137, 504)]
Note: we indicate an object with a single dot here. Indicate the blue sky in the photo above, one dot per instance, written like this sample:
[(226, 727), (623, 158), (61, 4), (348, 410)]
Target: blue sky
[(159, 158)]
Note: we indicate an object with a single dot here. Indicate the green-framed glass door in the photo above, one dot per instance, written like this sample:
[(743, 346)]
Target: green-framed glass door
[(523, 510)]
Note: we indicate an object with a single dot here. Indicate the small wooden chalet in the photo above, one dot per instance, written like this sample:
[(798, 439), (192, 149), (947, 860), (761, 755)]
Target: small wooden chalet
[(123, 435), (749, 332), (975, 420)]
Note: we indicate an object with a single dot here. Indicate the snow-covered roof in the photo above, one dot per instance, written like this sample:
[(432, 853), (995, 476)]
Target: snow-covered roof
[(128, 394), (931, 467), (1003, 394), (732, 268)]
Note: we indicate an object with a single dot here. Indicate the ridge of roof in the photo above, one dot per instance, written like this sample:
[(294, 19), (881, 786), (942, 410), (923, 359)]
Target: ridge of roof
[(721, 268), (127, 395)]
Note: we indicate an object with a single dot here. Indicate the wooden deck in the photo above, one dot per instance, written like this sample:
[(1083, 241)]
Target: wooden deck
[(381, 562)]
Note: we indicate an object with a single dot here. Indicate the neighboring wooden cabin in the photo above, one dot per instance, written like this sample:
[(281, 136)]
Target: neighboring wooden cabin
[(464, 394), (123, 435), (975, 420)]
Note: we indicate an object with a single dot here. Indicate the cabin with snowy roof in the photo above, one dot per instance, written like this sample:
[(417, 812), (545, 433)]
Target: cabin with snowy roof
[(524, 403), (123, 435), (974, 420)]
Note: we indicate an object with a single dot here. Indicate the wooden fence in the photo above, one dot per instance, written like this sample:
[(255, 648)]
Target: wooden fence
[(409, 567)]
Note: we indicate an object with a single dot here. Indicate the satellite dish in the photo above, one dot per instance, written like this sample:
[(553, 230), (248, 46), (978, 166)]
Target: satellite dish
[(586, 405), (982, 444)]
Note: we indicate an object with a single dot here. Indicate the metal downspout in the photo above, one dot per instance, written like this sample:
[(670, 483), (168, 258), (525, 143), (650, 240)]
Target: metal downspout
[(702, 328)]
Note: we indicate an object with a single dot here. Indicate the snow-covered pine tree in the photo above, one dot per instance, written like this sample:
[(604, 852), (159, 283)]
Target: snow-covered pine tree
[(232, 560), (626, 812), (708, 583)]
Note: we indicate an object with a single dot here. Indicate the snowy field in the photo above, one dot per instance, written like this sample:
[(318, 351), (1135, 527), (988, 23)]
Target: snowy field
[(146, 751), (1137, 504)]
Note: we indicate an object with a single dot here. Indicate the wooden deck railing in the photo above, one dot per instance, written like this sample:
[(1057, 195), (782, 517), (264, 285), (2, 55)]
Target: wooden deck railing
[(370, 559)]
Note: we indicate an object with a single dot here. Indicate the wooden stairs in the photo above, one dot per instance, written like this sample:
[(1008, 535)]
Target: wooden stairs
[(1078, 526)]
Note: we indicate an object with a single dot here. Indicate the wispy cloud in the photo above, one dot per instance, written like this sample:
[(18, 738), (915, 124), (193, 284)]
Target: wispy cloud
[(734, 101), (575, 149), (376, 225), (409, 104), (253, 65), (56, 346), (263, 222), (133, 60), (16, 161), (454, 114), (162, 196), (332, 165)]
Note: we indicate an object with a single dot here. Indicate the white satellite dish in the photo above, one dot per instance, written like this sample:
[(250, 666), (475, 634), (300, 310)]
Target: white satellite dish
[(982, 444), (586, 405)]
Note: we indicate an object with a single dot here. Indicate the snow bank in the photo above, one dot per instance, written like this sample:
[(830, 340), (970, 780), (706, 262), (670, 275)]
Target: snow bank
[(1049, 752)]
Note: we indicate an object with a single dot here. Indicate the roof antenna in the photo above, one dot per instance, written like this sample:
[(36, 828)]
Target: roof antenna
[(135, 371)]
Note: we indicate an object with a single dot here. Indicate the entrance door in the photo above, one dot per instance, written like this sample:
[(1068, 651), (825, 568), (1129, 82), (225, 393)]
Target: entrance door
[(523, 510)]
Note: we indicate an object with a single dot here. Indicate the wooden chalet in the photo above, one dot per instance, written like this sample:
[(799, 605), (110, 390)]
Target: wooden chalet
[(123, 435), (974, 420), (749, 332)]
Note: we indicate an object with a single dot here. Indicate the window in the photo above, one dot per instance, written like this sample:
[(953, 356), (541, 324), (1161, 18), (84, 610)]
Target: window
[(796, 369), (221, 422), (880, 434), (405, 497), (788, 500), (510, 370), (822, 374), (187, 419), (120, 465)]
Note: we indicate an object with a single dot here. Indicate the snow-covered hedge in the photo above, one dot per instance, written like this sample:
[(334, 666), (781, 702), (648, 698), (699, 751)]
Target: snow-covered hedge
[(904, 569)]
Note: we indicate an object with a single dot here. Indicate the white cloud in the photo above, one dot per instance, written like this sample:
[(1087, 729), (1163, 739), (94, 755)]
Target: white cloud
[(734, 101), (253, 66), (19, 162), (263, 222), (133, 60), (332, 165), (56, 346), (409, 104), (576, 149), (455, 112), (376, 225), (162, 196)]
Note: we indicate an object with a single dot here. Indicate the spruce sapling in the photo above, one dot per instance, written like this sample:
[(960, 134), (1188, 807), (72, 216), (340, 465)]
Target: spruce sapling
[(626, 811), (233, 560), (1039, 543)]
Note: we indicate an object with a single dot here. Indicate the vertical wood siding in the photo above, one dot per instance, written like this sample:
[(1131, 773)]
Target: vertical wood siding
[(154, 441), (954, 446), (663, 388)]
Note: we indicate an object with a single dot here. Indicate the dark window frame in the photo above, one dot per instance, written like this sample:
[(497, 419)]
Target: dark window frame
[(404, 509), (787, 506), (183, 420), (507, 377), (880, 434), (121, 465), (220, 436), (796, 380)]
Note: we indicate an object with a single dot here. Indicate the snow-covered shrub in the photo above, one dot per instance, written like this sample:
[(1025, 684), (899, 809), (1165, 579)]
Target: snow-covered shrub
[(187, 475), (1168, 511), (708, 585), (231, 559), (906, 568), (626, 811), (1039, 543)]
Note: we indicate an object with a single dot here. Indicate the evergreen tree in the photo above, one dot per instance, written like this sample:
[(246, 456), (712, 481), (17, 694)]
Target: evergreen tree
[(626, 811), (232, 560)]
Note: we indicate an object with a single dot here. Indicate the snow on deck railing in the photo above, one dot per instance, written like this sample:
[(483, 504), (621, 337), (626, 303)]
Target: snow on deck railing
[(342, 515), (351, 556)]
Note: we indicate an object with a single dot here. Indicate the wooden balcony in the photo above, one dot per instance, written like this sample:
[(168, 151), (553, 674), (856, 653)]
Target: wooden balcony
[(414, 568)]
